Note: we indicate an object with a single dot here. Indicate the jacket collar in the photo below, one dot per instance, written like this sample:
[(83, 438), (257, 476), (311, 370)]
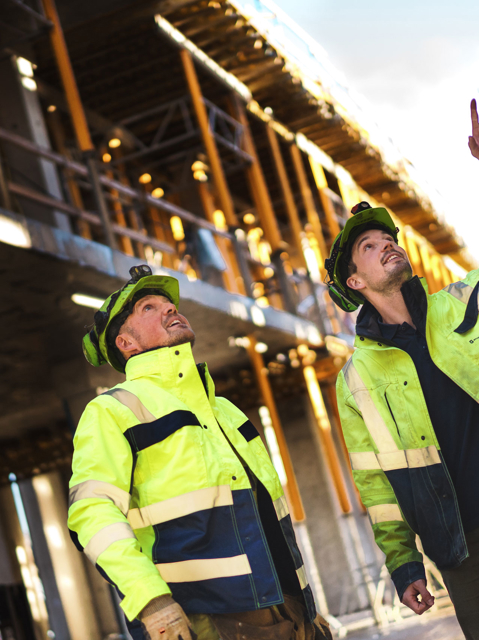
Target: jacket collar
[(414, 292), (166, 363)]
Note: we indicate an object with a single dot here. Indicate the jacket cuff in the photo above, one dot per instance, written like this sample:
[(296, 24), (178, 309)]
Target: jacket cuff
[(143, 592), (406, 574)]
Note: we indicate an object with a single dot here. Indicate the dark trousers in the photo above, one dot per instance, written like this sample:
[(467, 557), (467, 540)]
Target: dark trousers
[(463, 586)]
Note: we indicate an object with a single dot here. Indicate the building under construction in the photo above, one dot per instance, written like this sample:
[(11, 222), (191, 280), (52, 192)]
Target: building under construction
[(211, 140)]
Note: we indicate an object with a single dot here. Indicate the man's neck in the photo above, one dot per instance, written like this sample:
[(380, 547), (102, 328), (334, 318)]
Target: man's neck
[(392, 308)]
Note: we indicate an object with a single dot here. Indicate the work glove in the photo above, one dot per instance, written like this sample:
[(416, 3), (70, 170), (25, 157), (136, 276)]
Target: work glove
[(164, 619)]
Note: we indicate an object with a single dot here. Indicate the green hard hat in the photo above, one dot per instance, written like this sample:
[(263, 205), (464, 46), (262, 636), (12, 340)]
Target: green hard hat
[(364, 217), (98, 345)]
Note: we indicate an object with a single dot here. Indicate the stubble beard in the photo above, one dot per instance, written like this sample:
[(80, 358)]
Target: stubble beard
[(174, 339), (393, 281), (181, 337)]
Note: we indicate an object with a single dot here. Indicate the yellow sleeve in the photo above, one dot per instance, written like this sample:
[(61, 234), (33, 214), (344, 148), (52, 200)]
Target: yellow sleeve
[(99, 503)]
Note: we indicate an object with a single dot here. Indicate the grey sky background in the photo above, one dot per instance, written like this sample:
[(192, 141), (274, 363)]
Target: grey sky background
[(417, 65)]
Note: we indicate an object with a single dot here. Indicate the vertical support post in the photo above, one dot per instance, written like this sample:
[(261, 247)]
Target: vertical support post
[(326, 438), (291, 210), (261, 374), (221, 185), (67, 76), (308, 201), (265, 209), (286, 191), (322, 185), (258, 186), (79, 121)]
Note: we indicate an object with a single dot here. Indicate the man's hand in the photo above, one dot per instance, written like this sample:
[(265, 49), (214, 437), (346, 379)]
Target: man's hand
[(474, 139), (410, 597), (166, 622)]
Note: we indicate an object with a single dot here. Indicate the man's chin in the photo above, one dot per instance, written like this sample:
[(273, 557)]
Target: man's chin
[(182, 336)]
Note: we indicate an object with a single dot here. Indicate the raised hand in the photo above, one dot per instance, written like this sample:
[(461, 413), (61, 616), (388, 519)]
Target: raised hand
[(474, 139)]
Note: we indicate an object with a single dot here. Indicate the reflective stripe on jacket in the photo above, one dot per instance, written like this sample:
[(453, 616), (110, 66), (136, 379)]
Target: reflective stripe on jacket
[(396, 459), (161, 503)]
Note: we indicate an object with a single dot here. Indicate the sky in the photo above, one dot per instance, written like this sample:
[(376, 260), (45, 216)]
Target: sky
[(416, 62)]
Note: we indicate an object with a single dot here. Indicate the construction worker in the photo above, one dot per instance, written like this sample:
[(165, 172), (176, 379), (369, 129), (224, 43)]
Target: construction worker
[(408, 401), (173, 496)]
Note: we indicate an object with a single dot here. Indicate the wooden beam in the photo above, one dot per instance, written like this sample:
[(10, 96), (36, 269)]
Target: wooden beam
[(258, 186), (308, 201), (75, 106), (289, 203), (219, 178)]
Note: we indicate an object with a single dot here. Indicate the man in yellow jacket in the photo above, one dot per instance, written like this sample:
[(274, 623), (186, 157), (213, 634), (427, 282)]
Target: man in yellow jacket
[(173, 496), (409, 405)]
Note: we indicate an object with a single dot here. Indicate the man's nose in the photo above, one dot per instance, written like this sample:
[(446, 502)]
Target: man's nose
[(170, 309)]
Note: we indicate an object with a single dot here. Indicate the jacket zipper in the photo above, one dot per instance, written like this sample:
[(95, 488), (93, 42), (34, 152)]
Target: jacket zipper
[(392, 414)]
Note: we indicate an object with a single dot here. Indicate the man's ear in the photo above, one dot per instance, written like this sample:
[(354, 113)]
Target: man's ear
[(127, 344), (355, 282)]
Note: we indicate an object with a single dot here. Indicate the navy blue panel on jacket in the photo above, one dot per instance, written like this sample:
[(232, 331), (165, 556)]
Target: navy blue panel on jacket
[(145, 435), (248, 431), (221, 532), (431, 511)]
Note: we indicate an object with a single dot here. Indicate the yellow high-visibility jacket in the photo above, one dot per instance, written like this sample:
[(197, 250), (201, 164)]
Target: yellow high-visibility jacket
[(396, 459), (161, 501)]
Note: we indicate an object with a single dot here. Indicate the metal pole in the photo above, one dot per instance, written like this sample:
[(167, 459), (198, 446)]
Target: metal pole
[(308, 201), (100, 200), (261, 373), (75, 106), (208, 139)]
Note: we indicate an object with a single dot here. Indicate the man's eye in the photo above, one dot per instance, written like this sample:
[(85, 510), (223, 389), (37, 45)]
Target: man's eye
[(147, 306)]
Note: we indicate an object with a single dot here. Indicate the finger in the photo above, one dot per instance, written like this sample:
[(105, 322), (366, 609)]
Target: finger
[(413, 603), (475, 120), (474, 147), (426, 597)]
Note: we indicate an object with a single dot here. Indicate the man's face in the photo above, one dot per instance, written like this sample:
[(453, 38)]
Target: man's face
[(154, 322), (381, 264)]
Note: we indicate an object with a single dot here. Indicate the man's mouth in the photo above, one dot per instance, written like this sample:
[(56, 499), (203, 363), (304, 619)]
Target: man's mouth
[(392, 256), (174, 324)]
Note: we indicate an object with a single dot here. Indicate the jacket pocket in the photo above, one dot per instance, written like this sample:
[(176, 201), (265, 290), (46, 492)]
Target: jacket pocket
[(391, 412)]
